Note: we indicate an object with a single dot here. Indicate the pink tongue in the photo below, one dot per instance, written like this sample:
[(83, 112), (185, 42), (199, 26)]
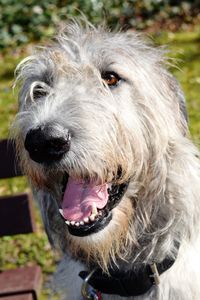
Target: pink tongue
[(79, 198)]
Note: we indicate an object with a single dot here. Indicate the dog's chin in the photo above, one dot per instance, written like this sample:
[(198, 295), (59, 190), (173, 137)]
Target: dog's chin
[(94, 221)]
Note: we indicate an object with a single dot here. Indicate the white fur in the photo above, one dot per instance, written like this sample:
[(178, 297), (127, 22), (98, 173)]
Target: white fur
[(139, 125)]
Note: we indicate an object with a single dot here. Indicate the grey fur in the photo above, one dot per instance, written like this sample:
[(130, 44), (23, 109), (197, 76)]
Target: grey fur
[(141, 125)]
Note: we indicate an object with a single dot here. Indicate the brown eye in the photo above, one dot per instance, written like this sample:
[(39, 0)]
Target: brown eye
[(111, 78)]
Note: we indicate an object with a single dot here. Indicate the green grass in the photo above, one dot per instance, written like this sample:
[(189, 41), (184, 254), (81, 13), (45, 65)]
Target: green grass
[(185, 48), (25, 250)]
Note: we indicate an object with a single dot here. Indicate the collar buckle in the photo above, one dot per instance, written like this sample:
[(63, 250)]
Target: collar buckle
[(155, 275), (88, 292)]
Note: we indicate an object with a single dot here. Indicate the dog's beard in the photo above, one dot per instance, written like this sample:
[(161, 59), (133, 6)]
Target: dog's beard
[(109, 244)]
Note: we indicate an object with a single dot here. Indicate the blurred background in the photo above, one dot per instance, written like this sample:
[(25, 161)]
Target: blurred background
[(26, 23)]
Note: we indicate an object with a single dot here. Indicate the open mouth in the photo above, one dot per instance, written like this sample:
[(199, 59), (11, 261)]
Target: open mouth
[(86, 207)]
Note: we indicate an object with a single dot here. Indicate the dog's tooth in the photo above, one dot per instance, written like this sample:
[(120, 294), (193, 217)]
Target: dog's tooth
[(81, 223), (92, 217), (67, 222), (94, 209), (86, 220), (72, 223), (77, 224), (61, 212)]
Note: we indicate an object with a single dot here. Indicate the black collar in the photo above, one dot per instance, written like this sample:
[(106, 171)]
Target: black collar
[(137, 281)]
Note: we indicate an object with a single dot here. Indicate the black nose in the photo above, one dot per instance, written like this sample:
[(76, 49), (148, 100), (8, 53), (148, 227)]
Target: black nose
[(46, 145)]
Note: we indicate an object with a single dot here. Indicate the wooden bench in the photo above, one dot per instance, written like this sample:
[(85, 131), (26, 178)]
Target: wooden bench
[(16, 217)]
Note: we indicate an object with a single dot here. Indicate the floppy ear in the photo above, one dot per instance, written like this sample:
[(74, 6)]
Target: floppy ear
[(183, 108), (181, 98), (178, 93)]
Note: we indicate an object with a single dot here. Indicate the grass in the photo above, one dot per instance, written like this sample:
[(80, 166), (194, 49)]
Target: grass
[(185, 48), (25, 250)]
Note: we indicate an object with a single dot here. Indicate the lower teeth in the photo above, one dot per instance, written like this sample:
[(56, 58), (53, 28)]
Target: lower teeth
[(85, 220)]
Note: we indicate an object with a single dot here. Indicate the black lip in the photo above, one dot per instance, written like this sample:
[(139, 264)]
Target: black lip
[(115, 197), (116, 194), (92, 227)]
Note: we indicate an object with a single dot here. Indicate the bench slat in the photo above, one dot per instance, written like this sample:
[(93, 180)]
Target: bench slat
[(8, 161), (21, 281), (28, 296), (16, 215)]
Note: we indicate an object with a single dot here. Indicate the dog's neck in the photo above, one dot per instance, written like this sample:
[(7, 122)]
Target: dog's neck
[(127, 279)]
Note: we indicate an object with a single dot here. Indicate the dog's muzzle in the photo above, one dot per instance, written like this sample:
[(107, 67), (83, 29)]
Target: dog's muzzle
[(46, 145), (86, 207)]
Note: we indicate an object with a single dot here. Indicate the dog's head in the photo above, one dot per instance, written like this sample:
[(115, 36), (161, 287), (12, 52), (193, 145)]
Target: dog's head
[(99, 117)]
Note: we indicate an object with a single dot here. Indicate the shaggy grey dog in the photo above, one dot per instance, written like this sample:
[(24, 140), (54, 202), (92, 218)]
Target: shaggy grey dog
[(102, 135)]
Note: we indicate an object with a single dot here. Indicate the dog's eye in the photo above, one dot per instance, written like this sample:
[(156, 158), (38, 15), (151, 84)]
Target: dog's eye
[(111, 78), (39, 93), (38, 90)]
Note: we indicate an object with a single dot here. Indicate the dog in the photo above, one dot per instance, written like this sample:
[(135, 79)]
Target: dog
[(102, 135)]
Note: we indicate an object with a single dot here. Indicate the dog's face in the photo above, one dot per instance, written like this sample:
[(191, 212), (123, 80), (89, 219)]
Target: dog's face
[(97, 116)]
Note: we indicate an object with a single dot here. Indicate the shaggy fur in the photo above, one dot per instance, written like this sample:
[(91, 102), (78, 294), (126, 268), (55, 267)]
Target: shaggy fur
[(139, 125)]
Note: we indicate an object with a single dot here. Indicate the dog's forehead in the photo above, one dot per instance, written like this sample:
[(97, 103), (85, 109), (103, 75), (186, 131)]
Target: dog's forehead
[(82, 52), (88, 54), (97, 48)]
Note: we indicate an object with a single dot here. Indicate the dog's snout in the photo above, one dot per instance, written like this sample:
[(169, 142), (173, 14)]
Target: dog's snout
[(46, 145)]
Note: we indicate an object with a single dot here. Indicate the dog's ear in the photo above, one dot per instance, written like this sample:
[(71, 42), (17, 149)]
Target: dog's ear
[(179, 96)]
